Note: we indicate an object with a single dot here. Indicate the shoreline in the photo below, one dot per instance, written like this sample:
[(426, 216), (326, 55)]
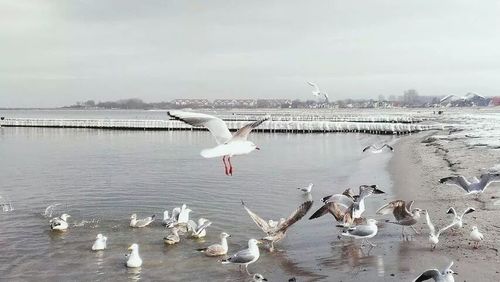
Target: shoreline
[(415, 170)]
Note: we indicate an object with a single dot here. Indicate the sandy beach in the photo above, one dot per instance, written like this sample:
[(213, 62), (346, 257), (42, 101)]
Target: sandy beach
[(416, 167)]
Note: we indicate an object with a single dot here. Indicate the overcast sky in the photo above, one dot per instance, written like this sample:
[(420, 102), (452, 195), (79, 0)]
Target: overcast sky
[(54, 53)]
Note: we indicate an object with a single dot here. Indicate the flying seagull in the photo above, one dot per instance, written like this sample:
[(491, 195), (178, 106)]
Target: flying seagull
[(316, 92), (246, 256), (403, 213), (276, 231), (439, 276), (458, 219), (374, 149), (473, 185), (433, 235), (228, 144)]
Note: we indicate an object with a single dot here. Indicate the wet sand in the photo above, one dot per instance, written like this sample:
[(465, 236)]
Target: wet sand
[(416, 167)]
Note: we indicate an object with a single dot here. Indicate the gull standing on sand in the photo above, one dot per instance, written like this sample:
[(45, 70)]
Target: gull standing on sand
[(60, 223), (198, 230), (403, 213), (458, 219), (433, 236), (246, 256), (134, 260), (229, 145), (375, 150), (307, 189), (346, 207), (100, 243), (173, 238), (439, 276), (217, 249), (476, 236), (138, 223), (473, 185), (363, 231), (276, 231)]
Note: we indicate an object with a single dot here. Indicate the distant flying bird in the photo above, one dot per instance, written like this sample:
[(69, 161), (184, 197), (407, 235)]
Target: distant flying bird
[(363, 231), (217, 249), (229, 145), (316, 92), (476, 236), (439, 276), (100, 243), (403, 213), (433, 235), (138, 223), (374, 149), (60, 223), (458, 219), (307, 189), (276, 231), (245, 256), (473, 185)]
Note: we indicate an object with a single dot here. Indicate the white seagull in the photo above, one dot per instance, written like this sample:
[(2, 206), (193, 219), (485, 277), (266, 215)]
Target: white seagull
[(217, 249), (100, 243), (316, 92), (184, 215), (403, 213), (257, 277), (198, 230), (439, 276), (173, 238), (59, 223), (246, 256), (134, 260), (229, 145), (433, 235), (169, 221), (307, 189), (363, 231), (473, 185), (476, 236), (375, 150), (458, 219), (134, 222)]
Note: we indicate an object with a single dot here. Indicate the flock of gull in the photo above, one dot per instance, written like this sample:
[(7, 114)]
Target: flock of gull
[(347, 209)]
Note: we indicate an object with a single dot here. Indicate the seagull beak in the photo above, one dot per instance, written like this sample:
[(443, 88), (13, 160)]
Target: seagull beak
[(130, 248), (264, 279), (259, 242), (455, 273), (257, 148)]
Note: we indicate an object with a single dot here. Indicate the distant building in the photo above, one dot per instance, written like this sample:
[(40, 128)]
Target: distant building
[(191, 103)]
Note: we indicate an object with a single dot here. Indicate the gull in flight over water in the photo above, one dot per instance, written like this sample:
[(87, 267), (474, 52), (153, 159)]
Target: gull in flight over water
[(138, 223), (246, 256), (229, 145), (439, 276), (60, 223), (347, 207), (100, 243), (403, 213), (473, 185), (363, 231), (375, 150), (476, 236), (458, 219), (276, 231), (217, 249), (316, 92), (433, 235)]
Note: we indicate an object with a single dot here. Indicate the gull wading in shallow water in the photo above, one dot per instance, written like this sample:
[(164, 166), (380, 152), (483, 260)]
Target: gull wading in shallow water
[(473, 185), (433, 235), (363, 231), (277, 230), (246, 256), (375, 150), (403, 213), (229, 145), (439, 276), (217, 249), (198, 230)]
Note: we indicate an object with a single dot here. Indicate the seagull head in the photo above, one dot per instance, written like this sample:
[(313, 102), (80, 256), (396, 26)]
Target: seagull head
[(133, 216), (65, 216), (224, 235)]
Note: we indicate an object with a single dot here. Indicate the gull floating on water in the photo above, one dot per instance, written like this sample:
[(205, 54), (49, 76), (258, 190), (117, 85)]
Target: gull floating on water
[(363, 231), (307, 189), (169, 221), (59, 223), (246, 256), (229, 145), (198, 230), (134, 222), (173, 238), (375, 150), (403, 213), (257, 277), (433, 235), (184, 215), (439, 276), (458, 219), (347, 207), (476, 236), (217, 249), (277, 230), (134, 260), (473, 185), (100, 243)]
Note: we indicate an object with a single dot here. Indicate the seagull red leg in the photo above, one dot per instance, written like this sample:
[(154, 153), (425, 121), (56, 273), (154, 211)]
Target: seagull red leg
[(230, 166), (225, 165)]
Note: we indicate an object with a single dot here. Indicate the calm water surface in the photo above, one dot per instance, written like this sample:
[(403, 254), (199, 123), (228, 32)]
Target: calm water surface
[(100, 177)]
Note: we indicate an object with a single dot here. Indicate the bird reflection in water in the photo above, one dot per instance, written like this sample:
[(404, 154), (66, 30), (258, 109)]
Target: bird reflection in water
[(134, 273)]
